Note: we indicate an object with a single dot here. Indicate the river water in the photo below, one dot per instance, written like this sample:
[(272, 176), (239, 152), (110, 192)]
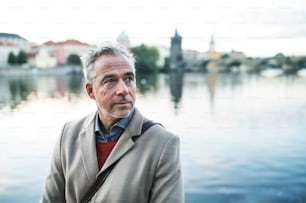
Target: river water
[(242, 136)]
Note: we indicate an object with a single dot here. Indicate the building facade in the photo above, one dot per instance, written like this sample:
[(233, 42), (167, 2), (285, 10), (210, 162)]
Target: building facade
[(51, 53)]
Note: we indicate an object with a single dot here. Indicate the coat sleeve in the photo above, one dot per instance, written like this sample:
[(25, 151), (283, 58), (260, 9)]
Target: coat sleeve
[(168, 181), (54, 190)]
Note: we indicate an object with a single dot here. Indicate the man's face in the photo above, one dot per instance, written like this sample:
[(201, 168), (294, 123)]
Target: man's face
[(114, 87)]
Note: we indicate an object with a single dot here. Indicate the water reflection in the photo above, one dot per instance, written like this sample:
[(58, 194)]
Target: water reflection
[(19, 90), (211, 85), (75, 84), (176, 87), (242, 136), (15, 90), (147, 82)]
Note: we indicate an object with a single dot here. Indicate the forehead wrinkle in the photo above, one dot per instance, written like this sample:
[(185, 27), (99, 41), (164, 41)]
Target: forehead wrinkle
[(115, 75), (116, 64), (108, 66)]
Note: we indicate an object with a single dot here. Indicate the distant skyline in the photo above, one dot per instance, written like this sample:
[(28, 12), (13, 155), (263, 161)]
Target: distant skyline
[(255, 27)]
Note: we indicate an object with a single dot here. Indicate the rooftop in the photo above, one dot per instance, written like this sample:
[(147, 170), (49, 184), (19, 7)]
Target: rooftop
[(66, 42), (10, 35)]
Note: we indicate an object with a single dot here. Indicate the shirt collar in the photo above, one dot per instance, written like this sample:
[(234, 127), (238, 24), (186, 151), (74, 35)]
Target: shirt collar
[(122, 124)]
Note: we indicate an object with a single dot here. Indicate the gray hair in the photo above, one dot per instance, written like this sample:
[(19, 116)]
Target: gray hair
[(106, 48)]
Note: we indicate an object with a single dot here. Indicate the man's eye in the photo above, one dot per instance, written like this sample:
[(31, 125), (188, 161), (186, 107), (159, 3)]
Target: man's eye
[(130, 79), (109, 81)]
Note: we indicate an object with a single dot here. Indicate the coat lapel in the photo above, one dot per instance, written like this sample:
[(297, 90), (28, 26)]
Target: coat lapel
[(88, 148), (125, 142)]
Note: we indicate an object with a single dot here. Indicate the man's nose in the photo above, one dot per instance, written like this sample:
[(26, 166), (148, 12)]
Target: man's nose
[(122, 88)]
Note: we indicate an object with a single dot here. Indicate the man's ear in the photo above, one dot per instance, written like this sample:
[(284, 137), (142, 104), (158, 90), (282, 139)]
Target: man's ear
[(89, 91)]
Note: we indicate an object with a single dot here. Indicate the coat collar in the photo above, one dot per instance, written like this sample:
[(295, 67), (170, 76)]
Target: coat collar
[(88, 147), (124, 144)]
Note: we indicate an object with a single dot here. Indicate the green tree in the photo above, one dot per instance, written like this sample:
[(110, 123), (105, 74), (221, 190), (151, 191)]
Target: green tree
[(22, 57), (146, 58), (12, 59), (73, 59)]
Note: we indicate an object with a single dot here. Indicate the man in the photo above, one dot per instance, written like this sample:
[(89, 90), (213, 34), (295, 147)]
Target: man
[(147, 166)]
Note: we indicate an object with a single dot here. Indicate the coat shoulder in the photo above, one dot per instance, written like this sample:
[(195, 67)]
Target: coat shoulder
[(80, 122), (160, 133), (72, 129)]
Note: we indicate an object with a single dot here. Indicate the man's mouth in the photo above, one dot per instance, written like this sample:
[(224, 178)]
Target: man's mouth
[(122, 103)]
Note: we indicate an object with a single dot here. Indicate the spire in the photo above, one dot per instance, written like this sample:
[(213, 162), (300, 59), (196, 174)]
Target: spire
[(212, 41), (176, 33), (212, 44)]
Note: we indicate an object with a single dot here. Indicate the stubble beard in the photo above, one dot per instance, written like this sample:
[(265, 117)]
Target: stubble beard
[(119, 112)]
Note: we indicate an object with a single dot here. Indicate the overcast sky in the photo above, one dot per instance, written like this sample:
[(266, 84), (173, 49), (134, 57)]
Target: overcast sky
[(255, 27)]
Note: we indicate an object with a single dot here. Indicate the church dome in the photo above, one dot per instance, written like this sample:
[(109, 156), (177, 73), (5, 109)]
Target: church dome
[(123, 39)]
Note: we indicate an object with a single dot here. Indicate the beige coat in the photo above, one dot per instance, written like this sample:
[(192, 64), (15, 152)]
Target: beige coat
[(148, 171)]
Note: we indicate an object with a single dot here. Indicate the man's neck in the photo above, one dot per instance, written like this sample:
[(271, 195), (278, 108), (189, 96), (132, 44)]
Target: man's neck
[(107, 124)]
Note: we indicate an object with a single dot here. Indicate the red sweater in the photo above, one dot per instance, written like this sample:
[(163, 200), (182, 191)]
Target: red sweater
[(103, 151)]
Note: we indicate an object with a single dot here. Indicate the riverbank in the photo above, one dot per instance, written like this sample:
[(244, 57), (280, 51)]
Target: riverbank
[(60, 70)]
